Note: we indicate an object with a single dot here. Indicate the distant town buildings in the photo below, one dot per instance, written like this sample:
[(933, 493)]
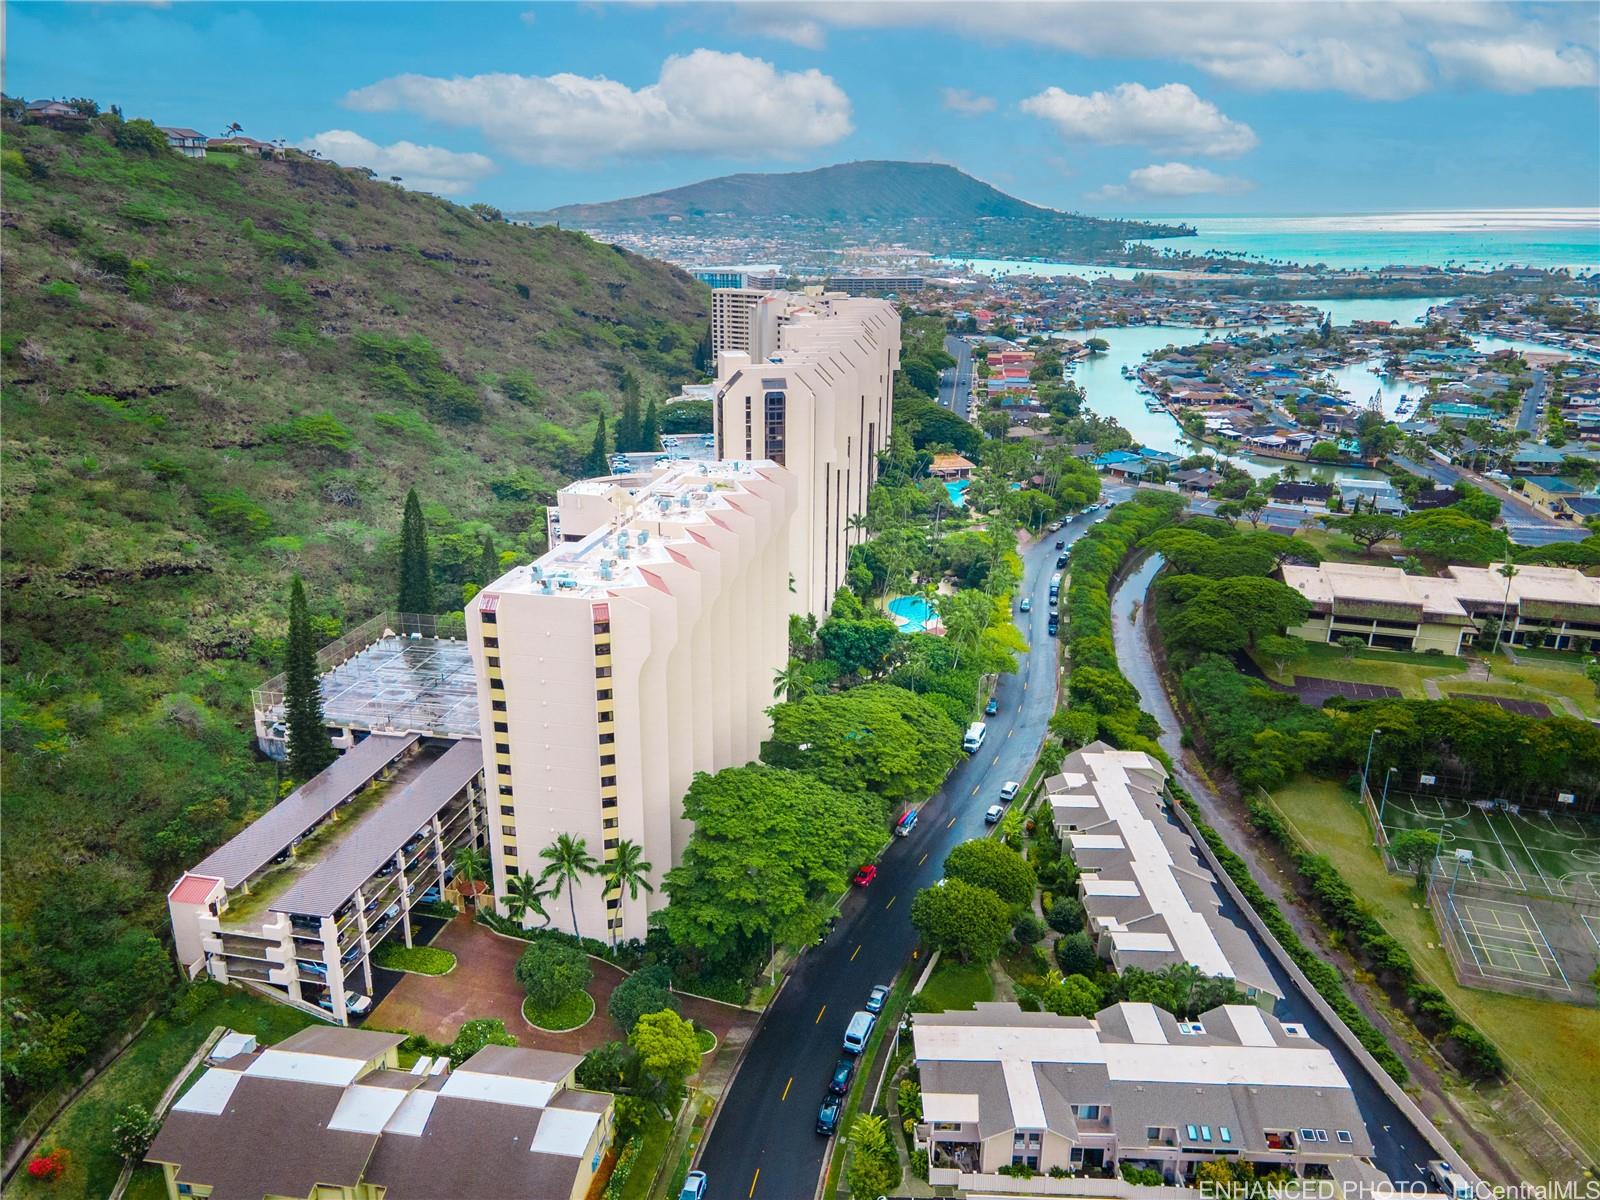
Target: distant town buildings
[(759, 276)]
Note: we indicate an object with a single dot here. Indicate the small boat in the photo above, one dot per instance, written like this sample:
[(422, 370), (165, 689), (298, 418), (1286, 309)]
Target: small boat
[(1127, 372)]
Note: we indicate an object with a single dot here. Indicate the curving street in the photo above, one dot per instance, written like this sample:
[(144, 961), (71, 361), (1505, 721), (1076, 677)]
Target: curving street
[(767, 1116)]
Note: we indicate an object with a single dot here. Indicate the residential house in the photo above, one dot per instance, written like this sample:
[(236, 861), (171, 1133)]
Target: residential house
[(1315, 495), (56, 113), (1132, 1086), (1433, 497), (1549, 494), (1374, 495), (188, 142), (328, 1112), (1198, 481)]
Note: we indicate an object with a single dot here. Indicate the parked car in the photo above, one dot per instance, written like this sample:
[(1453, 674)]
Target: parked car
[(1027, 604), (876, 998), (828, 1115), (1061, 560), (991, 708), (906, 823), (1009, 789), (858, 1031), (866, 874), (993, 813), (694, 1186), (354, 1002), (843, 1071), (1061, 544), (1055, 624)]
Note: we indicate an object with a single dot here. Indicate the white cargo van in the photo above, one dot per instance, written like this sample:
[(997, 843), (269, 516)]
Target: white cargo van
[(975, 735), (1451, 1182), (855, 1037)]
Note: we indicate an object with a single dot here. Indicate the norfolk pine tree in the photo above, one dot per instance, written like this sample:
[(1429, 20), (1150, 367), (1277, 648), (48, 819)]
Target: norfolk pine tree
[(416, 579), (596, 463), (309, 747)]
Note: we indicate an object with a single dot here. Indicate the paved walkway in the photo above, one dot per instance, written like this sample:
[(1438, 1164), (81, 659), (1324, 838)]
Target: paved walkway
[(483, 985)]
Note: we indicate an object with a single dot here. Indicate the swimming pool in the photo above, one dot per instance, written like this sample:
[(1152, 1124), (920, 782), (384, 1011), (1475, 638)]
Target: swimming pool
[(914, 612), (957, 491)]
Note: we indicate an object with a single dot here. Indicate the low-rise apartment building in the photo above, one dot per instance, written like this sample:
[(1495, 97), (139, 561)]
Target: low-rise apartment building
[(1134, 1085), (808, 382), (297, 902), (329, 1113), (638, 651), (1150, 899), (1553, 607)]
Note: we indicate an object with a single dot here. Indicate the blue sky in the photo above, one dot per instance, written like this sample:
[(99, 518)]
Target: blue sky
[(1106, 107)]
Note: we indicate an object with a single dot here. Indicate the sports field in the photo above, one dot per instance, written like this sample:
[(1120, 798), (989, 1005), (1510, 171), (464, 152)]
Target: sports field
[(1538, 852)]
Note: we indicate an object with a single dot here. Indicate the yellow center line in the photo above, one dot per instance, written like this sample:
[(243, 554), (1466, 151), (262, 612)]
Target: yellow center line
[(890, 905), (753, 1179), (854, 952), (922, 860), (786, 1088), (820, 1011)]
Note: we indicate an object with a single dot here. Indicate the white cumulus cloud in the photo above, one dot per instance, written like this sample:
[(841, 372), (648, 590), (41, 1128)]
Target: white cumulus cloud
[(704, 102), (1515, 66), (1170, 117), (421, 168), (1174, 179), (968, 104)]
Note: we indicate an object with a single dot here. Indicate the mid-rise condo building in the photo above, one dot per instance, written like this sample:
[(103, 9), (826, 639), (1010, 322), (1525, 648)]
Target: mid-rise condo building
[(637, 651), (808, 382)]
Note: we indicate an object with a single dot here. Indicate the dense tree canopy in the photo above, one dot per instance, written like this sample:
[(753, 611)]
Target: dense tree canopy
[(768, 846), (1228, 614), (878, 737), (963, 919), (990, 863)]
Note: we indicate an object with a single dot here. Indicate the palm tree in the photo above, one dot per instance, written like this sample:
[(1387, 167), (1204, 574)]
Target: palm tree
[(568, 858), (791, 683), (627, 870), (471, 864), (1508, 572), (524, 896), (858, 523)]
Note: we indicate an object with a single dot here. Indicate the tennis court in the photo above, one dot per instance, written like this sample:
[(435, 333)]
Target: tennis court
[(1534, 947), (1534, 851)]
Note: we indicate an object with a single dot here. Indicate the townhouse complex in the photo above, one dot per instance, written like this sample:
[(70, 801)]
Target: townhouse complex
[(1133, 1086), (633, 654), (1536, 606), (328, 1112), (1150, 899)]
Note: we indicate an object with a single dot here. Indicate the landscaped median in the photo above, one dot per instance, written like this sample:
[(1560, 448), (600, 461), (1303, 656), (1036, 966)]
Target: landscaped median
[(416, 960), (573, 1012)]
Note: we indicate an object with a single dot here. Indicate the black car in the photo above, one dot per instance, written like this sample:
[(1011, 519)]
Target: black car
[(828, 1115), (839, 1084), (1055, 624), (1060, 543), (1061, 560)]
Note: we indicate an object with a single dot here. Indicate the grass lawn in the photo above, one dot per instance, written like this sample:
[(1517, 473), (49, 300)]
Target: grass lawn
[(139, 1077), (706, 1040), (569, 1014), (419, 960), (956, 985), (657, 1137), (1553, 1048), (1564, 676)]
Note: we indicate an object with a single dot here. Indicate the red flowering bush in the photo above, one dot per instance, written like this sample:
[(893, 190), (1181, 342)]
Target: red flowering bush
[(48, 1166)]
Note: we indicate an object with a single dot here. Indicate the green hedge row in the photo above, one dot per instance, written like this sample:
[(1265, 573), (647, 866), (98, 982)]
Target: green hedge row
[(1429, 1008)]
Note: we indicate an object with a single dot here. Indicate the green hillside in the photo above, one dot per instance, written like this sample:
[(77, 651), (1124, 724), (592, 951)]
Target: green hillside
[(218, 374)]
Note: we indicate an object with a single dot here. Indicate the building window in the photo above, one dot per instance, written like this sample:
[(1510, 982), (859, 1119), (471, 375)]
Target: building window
[(503, 768), (508, 830), (498, 706), (492, 643), (602, 672), (606, 714), (609, 823), (775, 405), (502, 747), (608, 760), (487, 617), (602, 693), (608, 781), (494, 661), (602, 626), (611, 844), (505, 789), (501, 727), (607, 739), (507, 810), (510, 850), (602, 647)]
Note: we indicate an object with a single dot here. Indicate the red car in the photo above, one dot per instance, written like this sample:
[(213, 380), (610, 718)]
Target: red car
[(866, 875)]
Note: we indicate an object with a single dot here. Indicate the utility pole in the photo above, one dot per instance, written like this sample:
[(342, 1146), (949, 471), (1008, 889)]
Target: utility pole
[(1367, 767)]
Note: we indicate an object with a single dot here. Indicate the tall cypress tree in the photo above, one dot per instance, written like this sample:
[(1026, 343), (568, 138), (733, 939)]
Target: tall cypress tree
[(309, 747), (628, 425), (597, 463), (650, 431), (488, 563), (416, 578)]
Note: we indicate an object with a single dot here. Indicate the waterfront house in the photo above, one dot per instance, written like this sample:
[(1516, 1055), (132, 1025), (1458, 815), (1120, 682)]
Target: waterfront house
[(1315, 495), (1198, 481)]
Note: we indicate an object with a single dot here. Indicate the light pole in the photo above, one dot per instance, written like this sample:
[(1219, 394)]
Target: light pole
[(1367, 767), (1386, 775)]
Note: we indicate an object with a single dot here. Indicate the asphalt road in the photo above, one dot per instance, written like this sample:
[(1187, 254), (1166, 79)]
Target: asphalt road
[(1528, 415), (763, 1144), (1399, 1148), (955, 383), (1525, 525)]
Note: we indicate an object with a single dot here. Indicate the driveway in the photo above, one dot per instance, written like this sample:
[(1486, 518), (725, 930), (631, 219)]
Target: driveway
[(483, 985)]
